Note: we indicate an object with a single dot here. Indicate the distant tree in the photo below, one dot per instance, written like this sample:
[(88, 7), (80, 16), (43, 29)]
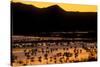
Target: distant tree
[(24, 64), (55, 61), (59, 54), (67, 48), (63, 48), (45, 55), (60, 60), (55, 58), (40, 59), (76, 55), (50, 59), (67, 54), (80, 51), (47, 48), (28, 56), (20, 62), (32, 59)]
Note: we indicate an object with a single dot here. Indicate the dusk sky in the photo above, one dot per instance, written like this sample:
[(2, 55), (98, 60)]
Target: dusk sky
[(67, 7)]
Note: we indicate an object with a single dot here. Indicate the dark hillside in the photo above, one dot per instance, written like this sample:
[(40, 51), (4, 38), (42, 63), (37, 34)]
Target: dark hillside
[(27, 19)]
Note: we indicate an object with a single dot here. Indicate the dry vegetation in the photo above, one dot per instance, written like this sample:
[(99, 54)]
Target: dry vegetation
[(53, 53)]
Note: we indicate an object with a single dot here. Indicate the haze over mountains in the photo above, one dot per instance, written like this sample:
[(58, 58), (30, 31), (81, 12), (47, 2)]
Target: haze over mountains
[(28, 19)]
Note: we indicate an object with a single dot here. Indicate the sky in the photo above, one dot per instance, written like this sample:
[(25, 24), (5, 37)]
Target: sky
[(65, 6)]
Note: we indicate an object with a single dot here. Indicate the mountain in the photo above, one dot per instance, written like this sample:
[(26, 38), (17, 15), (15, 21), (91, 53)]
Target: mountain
[(28, 19)]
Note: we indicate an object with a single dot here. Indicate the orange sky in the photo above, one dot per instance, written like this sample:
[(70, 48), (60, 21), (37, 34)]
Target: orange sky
[(67, 7)]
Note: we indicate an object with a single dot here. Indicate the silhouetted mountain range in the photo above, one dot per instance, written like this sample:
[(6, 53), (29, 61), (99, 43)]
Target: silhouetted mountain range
[(27, 19)]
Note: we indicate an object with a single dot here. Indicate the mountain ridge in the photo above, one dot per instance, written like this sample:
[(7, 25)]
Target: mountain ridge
[(52, 6), (49, 19)]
